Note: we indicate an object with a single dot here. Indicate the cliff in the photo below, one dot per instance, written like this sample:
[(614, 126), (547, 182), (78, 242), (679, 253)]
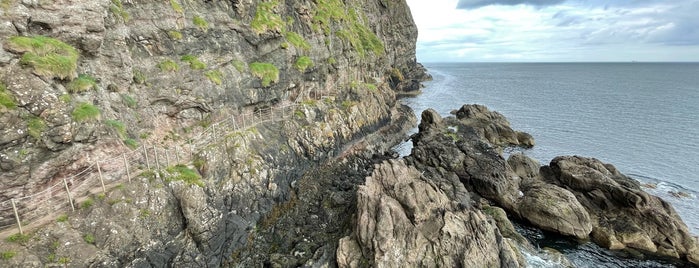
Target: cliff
[(83, 82)]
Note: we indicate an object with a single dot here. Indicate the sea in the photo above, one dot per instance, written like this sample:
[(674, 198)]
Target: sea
[(641, 117)]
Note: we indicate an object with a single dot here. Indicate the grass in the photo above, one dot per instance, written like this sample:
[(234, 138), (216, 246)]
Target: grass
[(6, 98), (168, 66), (176, 6), (117, 126), (131, 143), (332, 60), (265, 71), (215, 76), (48, 56), (129, 101), (239, 65), (87, 203), (144, 213), (138, 77), (303, 63), (65, 98), (89, 238), (201, 23), (184, 173), (354, 31), (117, 8), (175, 35), (371, 87), (266, 19), (194, 63), (62, 218), (297, 40), (35, 126), (6, 255), (85, 112), (81, 84), (18, 238)]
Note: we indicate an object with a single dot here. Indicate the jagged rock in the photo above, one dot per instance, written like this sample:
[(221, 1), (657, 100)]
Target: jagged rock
[(625, 214), (493, 126), (457, 147), (405, 220)]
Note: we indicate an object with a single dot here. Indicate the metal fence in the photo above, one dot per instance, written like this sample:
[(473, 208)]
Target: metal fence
[(67, 191)]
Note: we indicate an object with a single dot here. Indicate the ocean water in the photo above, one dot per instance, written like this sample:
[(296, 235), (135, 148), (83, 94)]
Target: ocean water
[(641, 117)]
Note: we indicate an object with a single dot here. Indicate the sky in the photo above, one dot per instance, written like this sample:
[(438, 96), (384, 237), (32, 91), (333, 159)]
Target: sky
[(556, 30)]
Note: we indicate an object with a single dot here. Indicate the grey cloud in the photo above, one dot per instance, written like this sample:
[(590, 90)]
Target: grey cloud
[(472, 4)]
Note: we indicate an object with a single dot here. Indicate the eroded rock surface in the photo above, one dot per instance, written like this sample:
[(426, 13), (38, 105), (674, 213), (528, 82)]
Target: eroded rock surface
[(456, 173), (405, 219)]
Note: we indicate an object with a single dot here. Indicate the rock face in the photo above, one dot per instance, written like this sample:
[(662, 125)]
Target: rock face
[(160, 72), (405, 219)]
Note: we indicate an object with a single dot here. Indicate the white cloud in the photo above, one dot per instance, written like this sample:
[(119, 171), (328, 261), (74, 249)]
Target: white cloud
[(570, 31)]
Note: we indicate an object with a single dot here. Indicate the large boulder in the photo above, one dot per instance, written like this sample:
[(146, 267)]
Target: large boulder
[(405, 220), (626, 216), (493, 126), (553, 208)]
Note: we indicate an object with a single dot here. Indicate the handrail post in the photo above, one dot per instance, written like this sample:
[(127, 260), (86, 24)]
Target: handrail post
[(155, 155), (19, 223), (126, 163), (99, 171), (70, 197), (145, 153)]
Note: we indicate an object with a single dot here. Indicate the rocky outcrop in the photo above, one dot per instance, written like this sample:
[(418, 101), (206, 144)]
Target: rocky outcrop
[(493, 126), (625, 215), (404, 219), (456, 163)]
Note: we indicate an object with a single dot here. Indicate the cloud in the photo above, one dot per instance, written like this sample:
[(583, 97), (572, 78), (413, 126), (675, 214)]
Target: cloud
[(557, 30), (471, 4)]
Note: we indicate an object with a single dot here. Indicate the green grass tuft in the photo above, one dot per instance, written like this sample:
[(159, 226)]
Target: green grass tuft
[(87, 203), (131, 143), (6, 255), (194, 63), (201, 23), (117, 126), (297, 40), (62, 218), (18, 238), (138, 77), (117, 8), (303, 63), (175, 35), (81, 84), (89, 238), (129, 101), (65, 98), (215, 76), (266, 19), (49, 57), (239, 65), (6, 98), (85, 112), (176, 6), (265, 71), (168, 66), (35, 126), (183, 173)]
